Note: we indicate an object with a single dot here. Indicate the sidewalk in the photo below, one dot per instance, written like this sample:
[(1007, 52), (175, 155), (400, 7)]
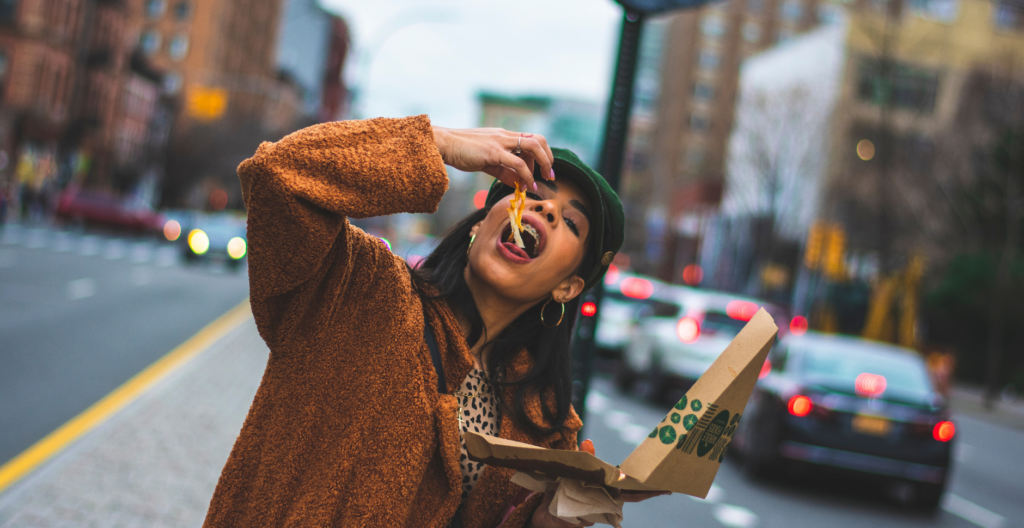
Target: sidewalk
[(155, 463), (969, 400)]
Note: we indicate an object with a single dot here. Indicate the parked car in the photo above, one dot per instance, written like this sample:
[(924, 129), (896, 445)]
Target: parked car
[(627, 298), (93, 207), (852, 405), (220, 237), (676, 341)]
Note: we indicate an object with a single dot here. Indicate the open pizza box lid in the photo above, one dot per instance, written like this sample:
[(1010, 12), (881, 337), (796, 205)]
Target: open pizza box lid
[(683, 453)]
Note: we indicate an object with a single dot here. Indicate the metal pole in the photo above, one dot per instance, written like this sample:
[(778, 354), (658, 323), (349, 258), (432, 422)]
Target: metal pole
[(616, 131)]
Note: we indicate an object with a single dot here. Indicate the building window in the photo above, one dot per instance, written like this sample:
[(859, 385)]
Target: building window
[(704, 91), (179, 47), (699, 123), (150, 41), (1009, 16), (172, 83), (709, 59), (752, 31), (155, 8), (792, 10), (898, 85), (713, 26), (182, 10), (941, 10)]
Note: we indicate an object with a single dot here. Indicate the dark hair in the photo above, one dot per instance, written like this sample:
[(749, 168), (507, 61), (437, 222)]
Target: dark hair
[(549, 347)]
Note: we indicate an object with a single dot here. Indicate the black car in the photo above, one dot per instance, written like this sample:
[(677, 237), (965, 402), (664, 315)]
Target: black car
[(852, 405), (220, 237)]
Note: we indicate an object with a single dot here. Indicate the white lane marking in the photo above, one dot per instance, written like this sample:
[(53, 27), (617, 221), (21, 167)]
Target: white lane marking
[(633, 434), (141, 252), (734, 516), (90, 246), (11, 235), (971, 512), (63, 242), (81, 288), (36, 239), (115, 249), (167, 256), (596, 401), (616, 419), (8, 258), (715, 494)]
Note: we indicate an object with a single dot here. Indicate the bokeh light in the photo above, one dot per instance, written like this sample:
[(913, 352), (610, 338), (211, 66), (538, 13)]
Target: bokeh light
[(588, 309), (480, 199), (693, 274), (800, 405), (798, 326), (218, 199), (198, 241), (865, 149), (172, 230), (688, 330), (236, 248)]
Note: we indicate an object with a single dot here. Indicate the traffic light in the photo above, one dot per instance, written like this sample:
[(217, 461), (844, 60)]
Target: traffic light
[(815, 240)]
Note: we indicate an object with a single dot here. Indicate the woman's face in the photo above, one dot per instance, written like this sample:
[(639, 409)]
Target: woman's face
[(556, 222)]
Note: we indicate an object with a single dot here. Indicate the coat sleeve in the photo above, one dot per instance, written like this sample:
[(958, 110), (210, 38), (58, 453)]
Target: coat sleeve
[(301, 190)]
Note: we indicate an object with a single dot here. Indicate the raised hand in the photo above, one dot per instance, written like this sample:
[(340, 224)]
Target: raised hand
[(489, 150)]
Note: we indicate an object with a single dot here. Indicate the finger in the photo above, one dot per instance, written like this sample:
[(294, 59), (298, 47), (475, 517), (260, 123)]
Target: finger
[(537, 152), (517, 164), (551, 156), (588, 446)]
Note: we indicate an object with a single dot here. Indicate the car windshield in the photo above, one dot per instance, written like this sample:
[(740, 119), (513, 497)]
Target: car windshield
[(904, 374), (720, 324)]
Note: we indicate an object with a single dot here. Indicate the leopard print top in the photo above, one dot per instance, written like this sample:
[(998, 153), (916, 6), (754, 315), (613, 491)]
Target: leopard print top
[(480, 414)]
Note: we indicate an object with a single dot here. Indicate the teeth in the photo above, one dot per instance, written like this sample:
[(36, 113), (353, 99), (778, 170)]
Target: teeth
[(527, 228)]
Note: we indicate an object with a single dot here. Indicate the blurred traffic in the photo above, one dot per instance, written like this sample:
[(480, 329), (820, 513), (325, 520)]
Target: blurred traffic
[(854, 168)]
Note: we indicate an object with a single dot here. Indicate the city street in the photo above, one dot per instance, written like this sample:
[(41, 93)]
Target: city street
[(985, 490), (82, 312)]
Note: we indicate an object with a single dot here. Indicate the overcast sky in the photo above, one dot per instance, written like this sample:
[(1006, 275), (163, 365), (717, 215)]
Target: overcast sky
[(434, 57)]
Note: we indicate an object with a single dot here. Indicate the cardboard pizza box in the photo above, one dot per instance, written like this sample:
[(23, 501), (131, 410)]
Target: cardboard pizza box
[(683, 452)]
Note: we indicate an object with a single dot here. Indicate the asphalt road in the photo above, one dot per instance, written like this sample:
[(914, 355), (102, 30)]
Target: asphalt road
[(81, 313), (986, 489)]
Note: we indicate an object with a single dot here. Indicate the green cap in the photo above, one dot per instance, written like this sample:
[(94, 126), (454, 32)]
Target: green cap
[(609, 220)]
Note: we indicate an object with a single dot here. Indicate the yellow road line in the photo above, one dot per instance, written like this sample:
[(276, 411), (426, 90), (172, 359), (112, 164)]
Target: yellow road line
[(101, 411)]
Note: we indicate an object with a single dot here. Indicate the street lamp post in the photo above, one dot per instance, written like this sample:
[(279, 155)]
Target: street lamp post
[(613, 148)]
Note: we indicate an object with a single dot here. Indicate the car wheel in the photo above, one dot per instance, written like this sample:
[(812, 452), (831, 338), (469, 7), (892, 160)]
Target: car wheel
[(625, 378), (761, 449), (929, 496)]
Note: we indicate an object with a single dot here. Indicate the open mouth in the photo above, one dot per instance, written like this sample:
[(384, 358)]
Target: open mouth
[(531, 239)]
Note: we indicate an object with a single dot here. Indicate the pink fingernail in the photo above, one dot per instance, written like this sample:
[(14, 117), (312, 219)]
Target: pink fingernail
[(552, 174), (534, 186)]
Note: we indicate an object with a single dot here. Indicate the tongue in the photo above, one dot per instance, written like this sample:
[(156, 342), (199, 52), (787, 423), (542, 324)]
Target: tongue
[(515, 250)]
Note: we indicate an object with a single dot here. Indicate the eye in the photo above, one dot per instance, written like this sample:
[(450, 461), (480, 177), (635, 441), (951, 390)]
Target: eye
[(572, 225), (533, 196)]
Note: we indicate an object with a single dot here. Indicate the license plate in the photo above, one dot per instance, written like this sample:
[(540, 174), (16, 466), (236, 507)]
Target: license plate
[(872, 425)]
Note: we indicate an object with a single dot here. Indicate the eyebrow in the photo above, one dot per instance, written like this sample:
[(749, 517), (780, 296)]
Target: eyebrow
[(578, 205)]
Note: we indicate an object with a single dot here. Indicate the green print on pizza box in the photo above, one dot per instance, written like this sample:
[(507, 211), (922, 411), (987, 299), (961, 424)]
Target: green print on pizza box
[(681, 404)]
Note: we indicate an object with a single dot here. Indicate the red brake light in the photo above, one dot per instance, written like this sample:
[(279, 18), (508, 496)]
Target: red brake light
[(798, 326), (765, 369), (588, 309), (636, 288), (612, 275), (693, 274), (944, 431), (869, 384), (800, 405), (688, 330), (741, 310)]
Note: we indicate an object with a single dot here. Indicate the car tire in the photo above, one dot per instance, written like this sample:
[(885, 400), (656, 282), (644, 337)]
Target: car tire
[(929, 497), (761, 450), (625, 378)]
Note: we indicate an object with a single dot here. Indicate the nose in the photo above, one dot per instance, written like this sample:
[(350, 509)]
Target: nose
[(546, 209)]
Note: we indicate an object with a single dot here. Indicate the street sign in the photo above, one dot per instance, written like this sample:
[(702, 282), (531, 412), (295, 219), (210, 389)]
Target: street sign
[(653, 7)]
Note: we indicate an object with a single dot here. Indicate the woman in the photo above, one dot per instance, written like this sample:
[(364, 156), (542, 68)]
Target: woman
[(353, 423)]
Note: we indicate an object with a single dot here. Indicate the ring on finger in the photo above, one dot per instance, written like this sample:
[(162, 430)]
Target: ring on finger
[(519, 147)]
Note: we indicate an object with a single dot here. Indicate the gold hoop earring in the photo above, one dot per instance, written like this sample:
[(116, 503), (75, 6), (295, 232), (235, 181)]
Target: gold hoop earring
[(471, 239), (559, 317)]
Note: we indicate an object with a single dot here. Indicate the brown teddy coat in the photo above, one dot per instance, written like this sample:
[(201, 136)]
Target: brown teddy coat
[(348, 427)]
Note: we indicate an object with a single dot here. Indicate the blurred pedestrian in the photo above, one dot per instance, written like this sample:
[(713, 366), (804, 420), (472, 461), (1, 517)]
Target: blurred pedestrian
[(377, 369)]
